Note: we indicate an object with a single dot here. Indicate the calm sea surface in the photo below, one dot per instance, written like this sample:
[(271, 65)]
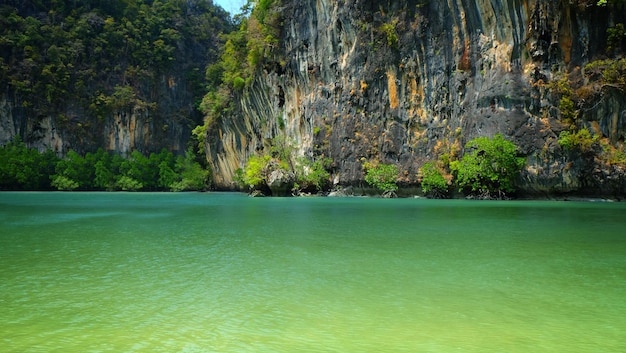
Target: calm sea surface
[(213, 272)]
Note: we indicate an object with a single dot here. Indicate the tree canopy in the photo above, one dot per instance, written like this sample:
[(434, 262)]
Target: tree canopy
[(102, 56), (24, 168)]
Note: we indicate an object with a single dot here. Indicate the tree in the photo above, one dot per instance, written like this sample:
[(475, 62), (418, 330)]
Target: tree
[(23, 168), (191, 174), (311, 175), (383, 177), (433, 182), (73, 172), (489, 168), (254, 174), (63, 183)]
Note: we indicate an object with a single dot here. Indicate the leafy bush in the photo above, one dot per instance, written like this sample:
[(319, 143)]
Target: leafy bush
[(607, 71), (254, 174), (389, 29), (127, 183), (27, 169), (614, 155), (567, 109), (580, 140), (96, 56), (23, 168), (312, 174), (616, 37), (433, 182), (191, 174), (489, 167), (382, 176), (63, 183)]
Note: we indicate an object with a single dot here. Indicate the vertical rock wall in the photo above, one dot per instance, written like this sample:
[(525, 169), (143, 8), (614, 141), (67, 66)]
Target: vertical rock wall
[(137, 126), (404, 81)]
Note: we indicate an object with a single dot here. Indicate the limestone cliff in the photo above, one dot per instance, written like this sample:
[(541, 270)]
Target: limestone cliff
[(134, 126), (117, 75), (404, 82)]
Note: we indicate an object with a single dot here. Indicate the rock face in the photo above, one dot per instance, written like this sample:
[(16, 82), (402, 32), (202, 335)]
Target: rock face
[(404, 82), (121, 76), (133, 127)]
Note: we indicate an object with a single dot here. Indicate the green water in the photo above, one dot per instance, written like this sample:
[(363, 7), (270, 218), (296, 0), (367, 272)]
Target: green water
[(209, 272)]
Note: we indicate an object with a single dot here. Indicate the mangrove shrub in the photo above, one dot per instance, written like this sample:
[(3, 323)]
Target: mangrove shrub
[(433, 182), (382, 176), (489, 167)]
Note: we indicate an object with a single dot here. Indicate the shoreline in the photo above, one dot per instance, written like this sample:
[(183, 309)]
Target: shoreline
[(343, 194)]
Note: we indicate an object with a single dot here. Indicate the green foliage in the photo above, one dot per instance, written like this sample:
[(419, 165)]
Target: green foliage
[(614, 155), (63, 183), (22, 168), (192, 175), (239, 177), (281, 149), (565, 93), (254, 175), (126, 183), (75, 168), (382, 176), (105, 55), (567, 109), (433, 182), (580, 140), (489, 167), (199, 133), (608, 2), (312, 175), (389, 29), (610, 71), (107, 169), (245, 52), (616, 38)]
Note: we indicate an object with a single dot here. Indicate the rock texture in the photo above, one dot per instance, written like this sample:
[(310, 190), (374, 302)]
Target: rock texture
[(403, 82), (134, 127), (122, 76)]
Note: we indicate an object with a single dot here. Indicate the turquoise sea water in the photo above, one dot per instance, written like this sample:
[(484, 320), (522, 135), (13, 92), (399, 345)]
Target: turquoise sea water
[(221, 272)]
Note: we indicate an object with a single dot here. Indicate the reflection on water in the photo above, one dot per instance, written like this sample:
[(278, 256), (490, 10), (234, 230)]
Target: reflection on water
[(118, 272)]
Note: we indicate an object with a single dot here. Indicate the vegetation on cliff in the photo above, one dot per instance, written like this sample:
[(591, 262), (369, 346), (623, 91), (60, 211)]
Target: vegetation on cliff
[(80, 62), (279, 174), (488, 169), (245, 51)]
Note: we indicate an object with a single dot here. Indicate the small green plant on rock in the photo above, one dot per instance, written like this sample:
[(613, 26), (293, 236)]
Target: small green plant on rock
[(254, 174), (389, 29), (580, 140), (301, 174), (311, 175)]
